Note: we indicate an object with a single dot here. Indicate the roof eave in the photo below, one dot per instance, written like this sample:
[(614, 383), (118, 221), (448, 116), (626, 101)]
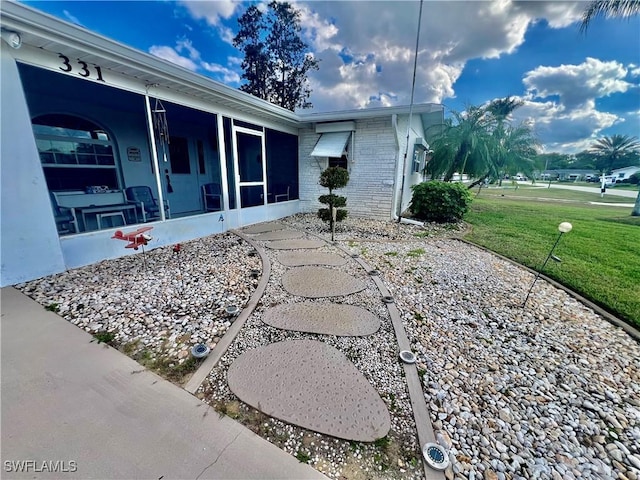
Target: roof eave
[(28, 20)]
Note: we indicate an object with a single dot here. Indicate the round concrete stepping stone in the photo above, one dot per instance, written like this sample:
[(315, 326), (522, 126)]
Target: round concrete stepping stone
[(323, 318), (294, 244), (300, 259), (279, 235), (317, 282), (263, 227), (312, 385)]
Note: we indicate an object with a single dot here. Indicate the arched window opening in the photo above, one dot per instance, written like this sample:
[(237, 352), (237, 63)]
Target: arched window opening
[(75, 153)]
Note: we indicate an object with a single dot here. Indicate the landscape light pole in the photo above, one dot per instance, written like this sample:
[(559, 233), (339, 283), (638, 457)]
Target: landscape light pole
[(564, 227)]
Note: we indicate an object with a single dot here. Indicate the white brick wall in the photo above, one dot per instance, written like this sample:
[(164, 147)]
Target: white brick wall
[(372, 166)]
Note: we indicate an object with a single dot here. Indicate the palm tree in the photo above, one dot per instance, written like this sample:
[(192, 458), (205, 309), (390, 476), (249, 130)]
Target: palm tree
[(609, 8), (463, 145), (612, 8), (501, 108), (515, 150), (478, 142), (613, 148)]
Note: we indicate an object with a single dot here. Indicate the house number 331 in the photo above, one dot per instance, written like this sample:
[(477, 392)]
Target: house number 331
[(83, 68)]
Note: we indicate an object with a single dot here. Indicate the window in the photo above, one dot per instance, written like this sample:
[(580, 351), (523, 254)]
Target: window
[(179, 155), (418, 157), (75, 153), (338, 162)]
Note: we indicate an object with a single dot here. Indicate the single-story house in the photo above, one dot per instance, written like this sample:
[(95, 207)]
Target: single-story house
[(624, 173), (568, 174), (98, 137)]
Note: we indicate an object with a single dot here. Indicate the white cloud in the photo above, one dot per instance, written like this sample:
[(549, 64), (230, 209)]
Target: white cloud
[(372, 44), (226, 34), (186, 45), (318, 32), (211, 11), (193, 60), (562, 129), (578, 84), (171, 55), (561, 102), (226, 75), (72, 18)]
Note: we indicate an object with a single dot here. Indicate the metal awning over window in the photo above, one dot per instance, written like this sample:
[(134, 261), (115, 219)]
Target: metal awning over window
[(332, 144)]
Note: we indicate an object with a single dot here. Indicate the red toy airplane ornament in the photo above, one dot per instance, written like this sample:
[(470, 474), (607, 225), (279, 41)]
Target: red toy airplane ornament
[(136, 238)]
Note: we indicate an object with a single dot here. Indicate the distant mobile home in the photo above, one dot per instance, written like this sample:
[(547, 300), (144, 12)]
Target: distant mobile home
[(98, 137), (624, 173)]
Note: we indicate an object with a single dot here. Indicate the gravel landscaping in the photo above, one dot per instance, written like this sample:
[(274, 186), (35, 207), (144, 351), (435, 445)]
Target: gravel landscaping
[(548, 391)]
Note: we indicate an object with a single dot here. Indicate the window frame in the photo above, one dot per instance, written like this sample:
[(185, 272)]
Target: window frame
[(94, 138)]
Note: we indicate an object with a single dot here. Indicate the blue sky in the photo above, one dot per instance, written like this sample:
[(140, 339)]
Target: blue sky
[(576, 87)]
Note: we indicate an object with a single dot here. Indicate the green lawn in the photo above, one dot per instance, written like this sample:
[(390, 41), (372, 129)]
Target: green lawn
[(600, 256), (550, 194)]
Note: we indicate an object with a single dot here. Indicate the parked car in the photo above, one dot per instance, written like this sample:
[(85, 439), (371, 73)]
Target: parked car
[(593, 178), (610, 180)]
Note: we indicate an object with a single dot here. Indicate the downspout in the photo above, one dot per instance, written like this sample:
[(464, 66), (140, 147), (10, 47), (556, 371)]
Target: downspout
[(154, 155)]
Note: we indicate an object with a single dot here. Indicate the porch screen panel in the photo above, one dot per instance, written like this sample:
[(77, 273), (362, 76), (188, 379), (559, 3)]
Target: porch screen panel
[(231, 172), (249, 157), (282, 164)]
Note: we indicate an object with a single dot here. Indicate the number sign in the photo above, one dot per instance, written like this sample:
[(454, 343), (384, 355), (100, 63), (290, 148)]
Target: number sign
[(82, 68)]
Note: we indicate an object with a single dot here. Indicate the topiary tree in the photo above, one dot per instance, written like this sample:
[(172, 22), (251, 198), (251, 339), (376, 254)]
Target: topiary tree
[(440, 202), (332, 178)]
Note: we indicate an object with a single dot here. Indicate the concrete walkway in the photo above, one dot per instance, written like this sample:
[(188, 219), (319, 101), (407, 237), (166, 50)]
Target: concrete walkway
[(579, 188), (99, 414)]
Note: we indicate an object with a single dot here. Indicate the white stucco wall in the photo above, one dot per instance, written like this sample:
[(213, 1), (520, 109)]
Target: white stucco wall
[(411, 178), (28, 234), (30, 245), (372, 166)]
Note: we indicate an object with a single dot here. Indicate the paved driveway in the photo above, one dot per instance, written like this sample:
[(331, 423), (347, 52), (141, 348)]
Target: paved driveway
[(76, 406)]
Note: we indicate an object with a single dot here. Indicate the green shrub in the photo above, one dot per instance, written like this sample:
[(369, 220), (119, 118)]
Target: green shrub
[(332, 178), (440, 202)]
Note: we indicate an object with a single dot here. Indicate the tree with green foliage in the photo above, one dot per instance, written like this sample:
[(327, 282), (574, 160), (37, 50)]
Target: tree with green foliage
[(501, 108), (481, 143), (612, 150), (552, 161), (514, 151), (585, 160), (612, 8), (463, 145), (276, 59), (615, 151), (608, 8), (333, 178)]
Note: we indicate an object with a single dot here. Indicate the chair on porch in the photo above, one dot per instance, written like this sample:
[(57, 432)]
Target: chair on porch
[(283, 196), (146, 205), (66, 221), (212, 197)]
